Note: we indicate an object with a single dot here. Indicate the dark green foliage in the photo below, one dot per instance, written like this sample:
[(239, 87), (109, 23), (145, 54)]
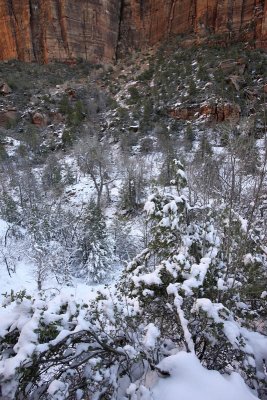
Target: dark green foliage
[(31, 137), (192, 89), (147, 118), (8, 208), (205, 148), (146, 145), (94, 229), (3, 153), (95, 255), (17, 73), (68, 137), (47, 332), (94, 221), (52, 174), (189, 136), (147, 75), (135, 95), (224, 138), (75, 112)]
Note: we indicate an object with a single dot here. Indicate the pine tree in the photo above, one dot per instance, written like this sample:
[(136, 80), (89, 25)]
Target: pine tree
[(97, 252), (8, 208)]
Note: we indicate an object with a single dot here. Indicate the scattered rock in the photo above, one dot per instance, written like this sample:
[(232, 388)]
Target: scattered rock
[(5, 89), (39, 119), (72, 94), (227, 112)]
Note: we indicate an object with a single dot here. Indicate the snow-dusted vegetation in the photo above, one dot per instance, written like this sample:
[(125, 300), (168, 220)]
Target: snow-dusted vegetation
[(133, 252)]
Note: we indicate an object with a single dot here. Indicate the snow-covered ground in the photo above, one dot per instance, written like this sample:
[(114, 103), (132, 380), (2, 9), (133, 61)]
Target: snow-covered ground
[(23, 277), (189, 380)]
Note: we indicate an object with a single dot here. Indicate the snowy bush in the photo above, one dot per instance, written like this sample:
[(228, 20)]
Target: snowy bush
[(177, 312), (193, 284)]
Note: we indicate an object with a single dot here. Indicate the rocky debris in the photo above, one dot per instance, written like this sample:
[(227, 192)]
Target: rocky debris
[(71, 62), (185, 113), (5, 89), (213, 113)]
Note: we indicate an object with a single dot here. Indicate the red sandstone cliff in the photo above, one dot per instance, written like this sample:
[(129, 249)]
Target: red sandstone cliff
[(43, 30), (149, 21)]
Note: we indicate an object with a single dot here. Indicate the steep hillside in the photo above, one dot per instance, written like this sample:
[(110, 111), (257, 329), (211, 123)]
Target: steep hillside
[(202, 105)]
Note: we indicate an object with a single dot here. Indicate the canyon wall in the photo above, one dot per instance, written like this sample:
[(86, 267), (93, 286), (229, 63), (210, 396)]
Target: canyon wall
[(43, 30), (146, 22), (99, 30)]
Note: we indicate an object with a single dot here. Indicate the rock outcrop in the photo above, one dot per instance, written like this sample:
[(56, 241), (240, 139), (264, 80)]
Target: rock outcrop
[(99, 30), (213, 113)]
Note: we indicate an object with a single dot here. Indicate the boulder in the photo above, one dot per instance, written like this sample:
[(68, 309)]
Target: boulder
[(5, 89), (39, 119), (8, 116)]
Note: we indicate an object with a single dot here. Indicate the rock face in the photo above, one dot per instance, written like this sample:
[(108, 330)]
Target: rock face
[(99, 30), (149, 21), (213, 113), (43, 30)]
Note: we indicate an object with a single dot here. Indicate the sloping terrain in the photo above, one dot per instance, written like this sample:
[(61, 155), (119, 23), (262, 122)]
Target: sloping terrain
[(82, 147)]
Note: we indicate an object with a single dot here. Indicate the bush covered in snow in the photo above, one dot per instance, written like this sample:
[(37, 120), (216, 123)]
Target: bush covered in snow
[(181, 308)]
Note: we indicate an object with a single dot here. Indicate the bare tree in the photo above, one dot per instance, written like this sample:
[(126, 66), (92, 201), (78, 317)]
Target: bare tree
[(95, 160)]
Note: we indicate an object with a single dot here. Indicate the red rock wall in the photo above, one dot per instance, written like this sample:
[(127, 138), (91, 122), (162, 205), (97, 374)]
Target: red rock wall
[(148, 21), (43, 30)]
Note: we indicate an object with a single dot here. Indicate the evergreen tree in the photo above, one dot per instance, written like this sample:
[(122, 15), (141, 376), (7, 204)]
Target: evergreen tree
[(97, 252), (52, 173), (8, 208)]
